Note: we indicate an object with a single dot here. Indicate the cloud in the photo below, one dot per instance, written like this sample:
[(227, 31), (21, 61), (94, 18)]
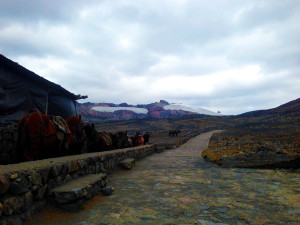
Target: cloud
[(232, 56)]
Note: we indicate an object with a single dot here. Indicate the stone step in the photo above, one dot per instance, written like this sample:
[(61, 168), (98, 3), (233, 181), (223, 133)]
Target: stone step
[(72, 195), (159, 149), (127, 163)]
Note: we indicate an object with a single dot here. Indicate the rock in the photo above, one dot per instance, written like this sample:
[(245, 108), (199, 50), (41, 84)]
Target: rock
[(127, 163), (45, 174), (159, 149), (82, 164), (13, 205), (40, 193), (56, 169), (67, 179), (51, 184), (19, 185), (102, 168), (28, 199), (70, 196), (58, 180), (1, 209), (64, 171), (107, 191), (4, 184), (35, 178), (14, 221), (74, 166), (13, 176)]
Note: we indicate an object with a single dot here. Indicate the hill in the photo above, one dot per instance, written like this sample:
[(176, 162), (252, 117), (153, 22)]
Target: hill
[(260, 139)]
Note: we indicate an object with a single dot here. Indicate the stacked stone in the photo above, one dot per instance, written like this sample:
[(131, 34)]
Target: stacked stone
[(193, 133), (25, 186), (8, 143)]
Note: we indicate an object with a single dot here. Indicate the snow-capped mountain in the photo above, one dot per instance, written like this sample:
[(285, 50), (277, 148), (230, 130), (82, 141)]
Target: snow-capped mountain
[(162, 109), (188, 108), (113, 109)]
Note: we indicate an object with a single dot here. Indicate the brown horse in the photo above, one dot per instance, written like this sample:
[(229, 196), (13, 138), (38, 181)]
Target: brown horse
[(40, 138), (79, 143), (97, 141)]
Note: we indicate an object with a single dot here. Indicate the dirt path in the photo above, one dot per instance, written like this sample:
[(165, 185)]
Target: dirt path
[(179, 187)]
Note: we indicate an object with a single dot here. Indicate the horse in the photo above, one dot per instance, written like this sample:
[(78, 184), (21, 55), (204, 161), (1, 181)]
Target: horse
[(97, 141), (146, 137), (174, 133), (40, 138), (78, 144), (123, 139), (120, 140)]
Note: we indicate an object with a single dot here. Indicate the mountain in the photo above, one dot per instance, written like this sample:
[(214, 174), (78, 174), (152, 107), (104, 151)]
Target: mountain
[(96, 112), (291, 108)]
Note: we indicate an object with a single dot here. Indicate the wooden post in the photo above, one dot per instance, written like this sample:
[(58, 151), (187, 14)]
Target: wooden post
[(47, 103)]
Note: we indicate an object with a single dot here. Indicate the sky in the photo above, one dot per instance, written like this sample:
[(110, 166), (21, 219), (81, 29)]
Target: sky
[(222, 55)]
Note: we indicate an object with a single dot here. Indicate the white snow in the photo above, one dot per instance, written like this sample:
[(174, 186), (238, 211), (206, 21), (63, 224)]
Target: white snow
[(189, 108), (113, 109)]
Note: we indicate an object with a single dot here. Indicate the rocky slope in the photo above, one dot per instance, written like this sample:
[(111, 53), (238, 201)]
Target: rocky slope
[(263, 139)]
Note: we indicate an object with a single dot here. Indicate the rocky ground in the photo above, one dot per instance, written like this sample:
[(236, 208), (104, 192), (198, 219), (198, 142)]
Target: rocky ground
[(262, 139), (178, 187)]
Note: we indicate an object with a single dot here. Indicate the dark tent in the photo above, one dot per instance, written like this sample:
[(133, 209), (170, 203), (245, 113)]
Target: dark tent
[(22, 90)]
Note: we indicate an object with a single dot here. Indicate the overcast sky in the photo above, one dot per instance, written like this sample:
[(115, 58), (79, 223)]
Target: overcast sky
[(232, 56)]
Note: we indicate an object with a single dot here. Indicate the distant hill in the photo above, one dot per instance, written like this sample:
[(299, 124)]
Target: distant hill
[(96, 112), (291, 109)]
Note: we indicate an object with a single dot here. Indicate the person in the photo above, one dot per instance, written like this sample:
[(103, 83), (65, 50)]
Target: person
[(140, 140), (146, 137)]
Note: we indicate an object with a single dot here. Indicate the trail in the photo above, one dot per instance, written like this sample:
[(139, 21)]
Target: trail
[(179, 187)]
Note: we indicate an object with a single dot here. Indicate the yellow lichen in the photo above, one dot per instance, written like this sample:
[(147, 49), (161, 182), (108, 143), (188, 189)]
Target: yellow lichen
[(212, 155)]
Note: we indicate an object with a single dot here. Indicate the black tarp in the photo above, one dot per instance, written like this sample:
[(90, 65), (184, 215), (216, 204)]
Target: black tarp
[(20, 93), (61, 105)]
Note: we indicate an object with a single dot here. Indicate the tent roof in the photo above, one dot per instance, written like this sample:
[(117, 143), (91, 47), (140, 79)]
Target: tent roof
[(22, 71)]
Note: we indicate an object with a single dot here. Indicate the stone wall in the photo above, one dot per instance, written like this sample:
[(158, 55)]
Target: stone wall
[(8, 143), (193, 133), (24, 186)]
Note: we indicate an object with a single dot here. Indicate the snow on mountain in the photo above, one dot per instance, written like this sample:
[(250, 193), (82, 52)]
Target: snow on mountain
[(175, 106), (113, 109)]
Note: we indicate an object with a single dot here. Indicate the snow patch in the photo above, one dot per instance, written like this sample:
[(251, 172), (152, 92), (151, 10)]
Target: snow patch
[(113, 109), (189, 108)]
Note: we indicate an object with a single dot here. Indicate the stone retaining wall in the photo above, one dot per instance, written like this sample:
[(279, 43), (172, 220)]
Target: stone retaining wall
[(8, 143), (193, 133), (24, 186)]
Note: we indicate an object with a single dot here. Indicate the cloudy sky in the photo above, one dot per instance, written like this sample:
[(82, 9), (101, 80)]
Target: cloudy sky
[(227, 55)]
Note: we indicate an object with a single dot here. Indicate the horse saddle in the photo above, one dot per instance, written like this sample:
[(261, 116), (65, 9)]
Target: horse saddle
[(61, 126)]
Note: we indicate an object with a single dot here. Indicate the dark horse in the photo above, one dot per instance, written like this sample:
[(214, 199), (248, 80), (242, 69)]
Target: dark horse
[(120, 140), (97, 141), (40, 138), (174, 133)]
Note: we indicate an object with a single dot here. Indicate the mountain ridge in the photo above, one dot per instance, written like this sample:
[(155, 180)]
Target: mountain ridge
[(91, 112)]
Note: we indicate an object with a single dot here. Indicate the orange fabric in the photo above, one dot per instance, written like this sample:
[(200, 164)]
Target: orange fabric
[(38, 125), (73, 123), (140, 141)]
